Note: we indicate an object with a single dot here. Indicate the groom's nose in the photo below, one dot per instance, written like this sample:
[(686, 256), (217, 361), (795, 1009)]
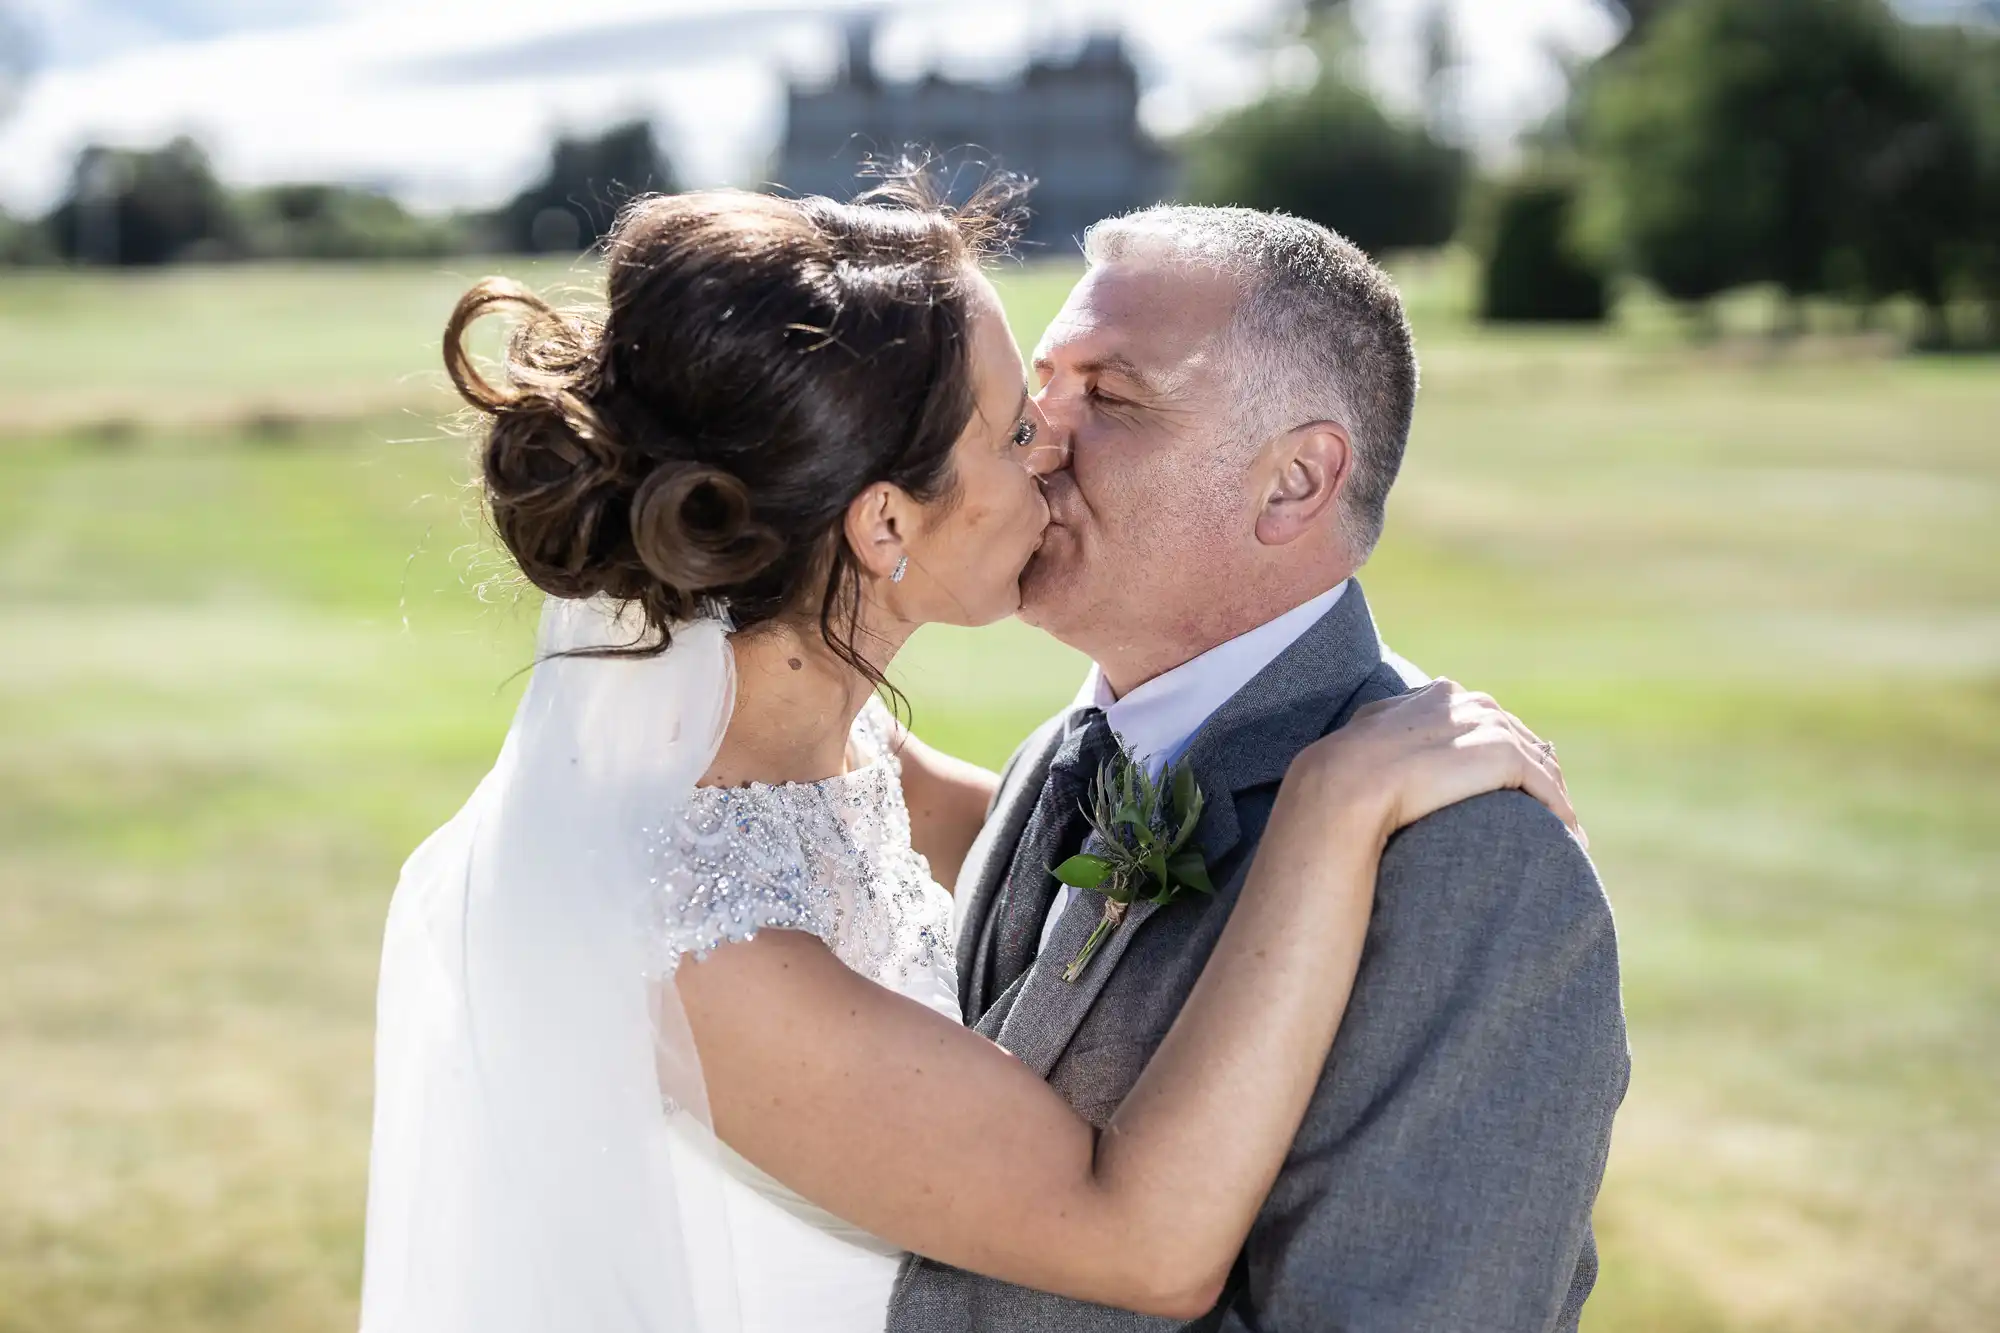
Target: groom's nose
[(1050, 452)]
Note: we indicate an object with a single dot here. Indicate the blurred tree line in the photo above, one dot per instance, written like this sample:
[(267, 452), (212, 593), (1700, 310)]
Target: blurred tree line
[(143, 207), (1325, 148), (1824, 147), (1821, 146)]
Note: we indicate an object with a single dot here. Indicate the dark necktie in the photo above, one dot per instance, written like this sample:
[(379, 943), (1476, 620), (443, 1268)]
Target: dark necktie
[(1055, 832)]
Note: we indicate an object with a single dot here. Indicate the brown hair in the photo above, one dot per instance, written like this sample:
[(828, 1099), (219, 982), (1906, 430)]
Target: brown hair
[(761, 361)]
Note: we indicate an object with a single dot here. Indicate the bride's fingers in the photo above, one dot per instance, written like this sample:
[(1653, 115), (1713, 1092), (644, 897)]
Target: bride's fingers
[(1463, 706), (1545, 754), (1544, 749), (1538, 784), (1428, 705), (1445, 713), (1476, 709), (1536, 778)]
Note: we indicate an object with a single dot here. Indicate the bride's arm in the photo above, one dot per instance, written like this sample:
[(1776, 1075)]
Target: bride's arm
[(930, 1136), (948, 799)]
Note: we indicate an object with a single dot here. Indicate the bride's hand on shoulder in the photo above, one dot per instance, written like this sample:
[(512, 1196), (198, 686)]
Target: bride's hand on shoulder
[(1402, 758)]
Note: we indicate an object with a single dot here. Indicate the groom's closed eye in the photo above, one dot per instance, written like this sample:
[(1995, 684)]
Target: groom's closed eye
[(1125, 375), (1115, 402), (1126, 379)]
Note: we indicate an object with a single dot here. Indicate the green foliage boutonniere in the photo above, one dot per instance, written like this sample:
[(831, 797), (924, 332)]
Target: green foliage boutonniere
[(1142, 827)]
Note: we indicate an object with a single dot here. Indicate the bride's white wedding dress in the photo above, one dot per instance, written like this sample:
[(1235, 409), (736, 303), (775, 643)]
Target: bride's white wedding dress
[(832, 858), (542, 1159)]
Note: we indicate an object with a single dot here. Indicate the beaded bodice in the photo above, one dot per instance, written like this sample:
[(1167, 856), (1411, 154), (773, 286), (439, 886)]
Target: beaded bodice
[(832, 858)]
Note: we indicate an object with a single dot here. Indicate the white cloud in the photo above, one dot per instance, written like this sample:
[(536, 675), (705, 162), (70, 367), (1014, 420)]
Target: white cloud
[(1509, 79)]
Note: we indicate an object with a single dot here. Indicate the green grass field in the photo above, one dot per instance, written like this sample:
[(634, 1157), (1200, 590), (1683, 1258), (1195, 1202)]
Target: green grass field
[(255, 647)]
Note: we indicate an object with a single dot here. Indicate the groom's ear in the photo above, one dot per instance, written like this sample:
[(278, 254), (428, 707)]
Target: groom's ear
[(1309, 465)]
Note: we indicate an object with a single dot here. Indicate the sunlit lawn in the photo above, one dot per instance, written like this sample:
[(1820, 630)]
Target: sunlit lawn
[(243, 670)]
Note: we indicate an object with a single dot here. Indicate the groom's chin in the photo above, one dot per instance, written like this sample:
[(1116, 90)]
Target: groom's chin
[(1047, 581)]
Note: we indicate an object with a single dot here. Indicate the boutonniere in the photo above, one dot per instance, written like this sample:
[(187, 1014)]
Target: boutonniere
[(1142, 829)]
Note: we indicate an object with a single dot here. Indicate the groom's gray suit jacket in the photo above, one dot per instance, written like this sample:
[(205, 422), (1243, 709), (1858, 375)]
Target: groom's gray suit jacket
[(1444, 1176)]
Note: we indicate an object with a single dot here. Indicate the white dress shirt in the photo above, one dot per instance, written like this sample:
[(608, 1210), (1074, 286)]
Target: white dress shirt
[(1157, 720)]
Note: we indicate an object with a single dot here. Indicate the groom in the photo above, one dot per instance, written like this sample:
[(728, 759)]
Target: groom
[(1235, 389)]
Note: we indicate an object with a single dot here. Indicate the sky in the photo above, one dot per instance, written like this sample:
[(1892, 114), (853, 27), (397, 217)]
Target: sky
[(452, 103)]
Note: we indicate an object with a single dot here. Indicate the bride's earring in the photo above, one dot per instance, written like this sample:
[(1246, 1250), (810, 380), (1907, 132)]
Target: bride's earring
[(902, 568)]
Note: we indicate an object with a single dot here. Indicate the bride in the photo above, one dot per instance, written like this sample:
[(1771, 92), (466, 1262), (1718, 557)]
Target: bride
[(668, 1031)]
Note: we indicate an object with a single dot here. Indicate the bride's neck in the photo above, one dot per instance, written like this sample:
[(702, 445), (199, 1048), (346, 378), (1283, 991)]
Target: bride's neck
[(796, 701)]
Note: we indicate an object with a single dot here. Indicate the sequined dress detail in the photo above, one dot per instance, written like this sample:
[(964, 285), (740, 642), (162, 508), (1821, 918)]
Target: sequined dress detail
[(832, 858)]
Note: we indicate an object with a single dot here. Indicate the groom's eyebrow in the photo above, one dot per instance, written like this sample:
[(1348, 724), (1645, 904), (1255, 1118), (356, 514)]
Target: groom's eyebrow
[(1113, 364)]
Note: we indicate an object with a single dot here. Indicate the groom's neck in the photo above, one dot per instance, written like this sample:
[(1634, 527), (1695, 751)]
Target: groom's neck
[(1148, 651), (1127, 666)]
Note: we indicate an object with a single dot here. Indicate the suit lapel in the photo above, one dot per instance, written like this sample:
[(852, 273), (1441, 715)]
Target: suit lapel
[(987, 861), (1049, 1010), (1246, 744), (1253, 737)]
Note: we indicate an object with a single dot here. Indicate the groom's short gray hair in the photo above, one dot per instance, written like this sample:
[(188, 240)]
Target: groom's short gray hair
[(1319, 334)]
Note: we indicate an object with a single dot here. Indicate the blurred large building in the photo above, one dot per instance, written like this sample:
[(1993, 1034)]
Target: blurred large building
[(1070, 123)]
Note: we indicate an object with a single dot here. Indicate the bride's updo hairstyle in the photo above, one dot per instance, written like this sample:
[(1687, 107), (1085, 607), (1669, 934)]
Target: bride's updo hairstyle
[(761, 361)]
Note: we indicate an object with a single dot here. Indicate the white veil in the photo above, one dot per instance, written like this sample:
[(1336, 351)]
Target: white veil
[(531, 1050)]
